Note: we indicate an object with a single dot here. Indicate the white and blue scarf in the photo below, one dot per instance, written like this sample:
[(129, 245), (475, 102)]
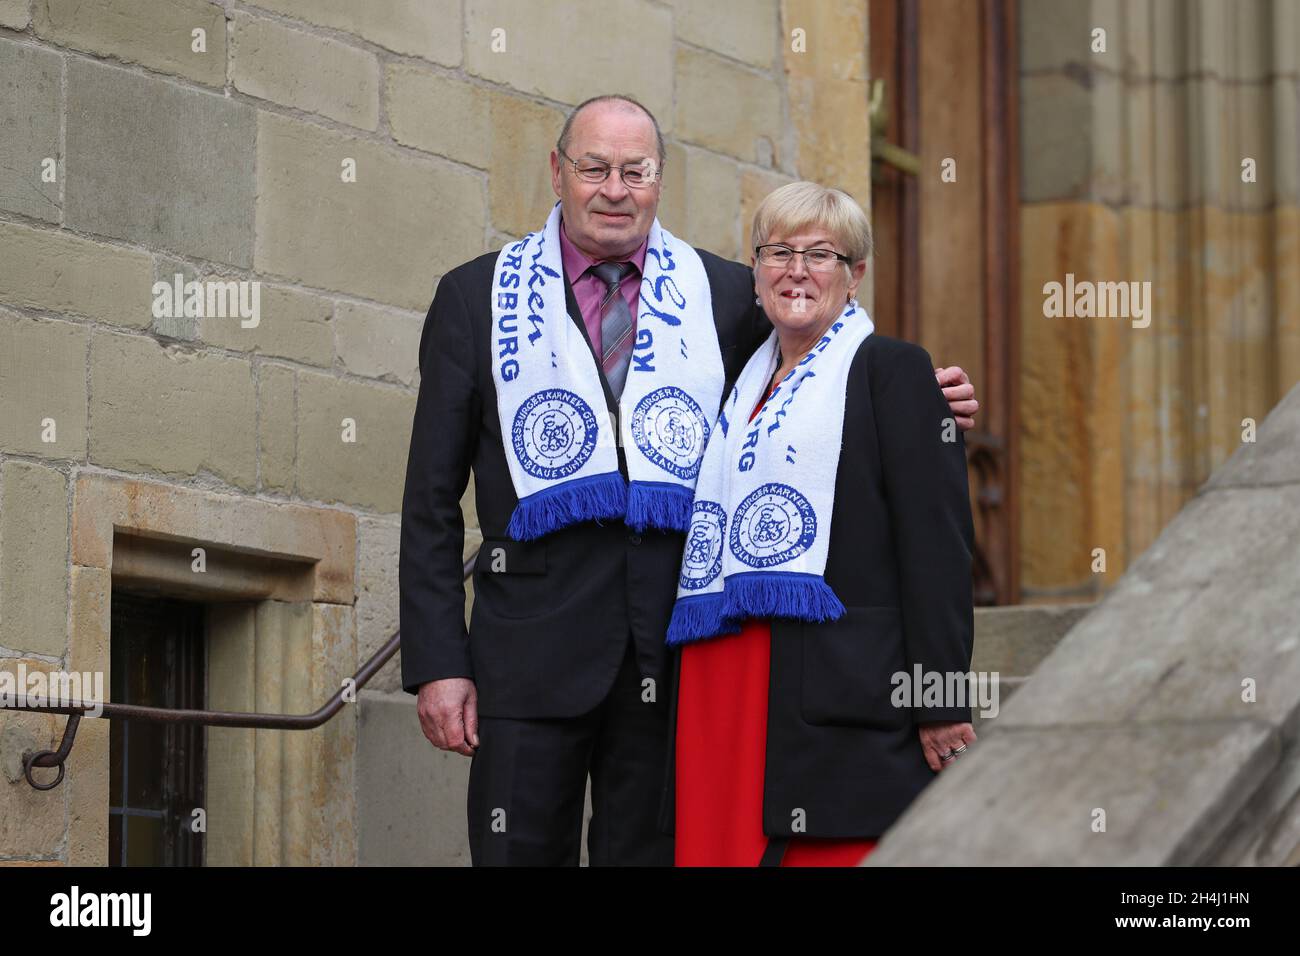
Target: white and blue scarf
[(558, 437), (760, 523)]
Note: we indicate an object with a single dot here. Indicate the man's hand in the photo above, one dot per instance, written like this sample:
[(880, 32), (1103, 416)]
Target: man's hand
[(960, 393), (448, 712)]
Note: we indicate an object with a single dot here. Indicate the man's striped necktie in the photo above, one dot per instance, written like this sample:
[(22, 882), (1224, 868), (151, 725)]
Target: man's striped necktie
[(615, 325)]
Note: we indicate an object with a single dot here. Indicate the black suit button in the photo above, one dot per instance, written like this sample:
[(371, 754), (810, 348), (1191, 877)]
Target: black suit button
[(634, 538)]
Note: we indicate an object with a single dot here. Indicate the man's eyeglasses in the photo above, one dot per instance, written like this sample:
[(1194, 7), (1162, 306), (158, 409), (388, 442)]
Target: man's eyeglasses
[(817, 260), (634, 175)]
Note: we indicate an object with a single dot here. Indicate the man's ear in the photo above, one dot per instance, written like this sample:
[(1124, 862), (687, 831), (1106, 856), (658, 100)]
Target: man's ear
[(556, 170)]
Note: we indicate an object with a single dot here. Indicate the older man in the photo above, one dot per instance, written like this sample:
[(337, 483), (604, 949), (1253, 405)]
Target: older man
[(577, 374)]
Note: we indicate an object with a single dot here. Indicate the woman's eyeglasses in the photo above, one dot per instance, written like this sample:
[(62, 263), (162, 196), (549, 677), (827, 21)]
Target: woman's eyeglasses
[(816, 260)]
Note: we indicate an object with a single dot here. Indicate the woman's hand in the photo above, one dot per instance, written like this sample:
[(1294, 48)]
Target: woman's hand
[(940, 739)]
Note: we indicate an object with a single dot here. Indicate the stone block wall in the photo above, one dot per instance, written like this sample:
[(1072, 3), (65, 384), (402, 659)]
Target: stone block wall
[(343, 155)]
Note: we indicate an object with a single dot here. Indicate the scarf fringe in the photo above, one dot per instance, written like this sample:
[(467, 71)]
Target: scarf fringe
[(802, 597), (599, 496), (652, 504), (696, 617), (759, 594)]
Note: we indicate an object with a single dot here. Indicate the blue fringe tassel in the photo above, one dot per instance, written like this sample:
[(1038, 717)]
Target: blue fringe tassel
[(695, 617), (656, 504), (803, 597), (600, 496)]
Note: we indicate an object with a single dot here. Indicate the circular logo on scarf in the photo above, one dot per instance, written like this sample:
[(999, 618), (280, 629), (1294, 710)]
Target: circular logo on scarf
[(554, 434), (670, 429), (702, 559), (773, 524)]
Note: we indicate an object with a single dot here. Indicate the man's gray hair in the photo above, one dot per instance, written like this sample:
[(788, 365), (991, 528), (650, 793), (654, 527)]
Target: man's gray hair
[(563, 142)]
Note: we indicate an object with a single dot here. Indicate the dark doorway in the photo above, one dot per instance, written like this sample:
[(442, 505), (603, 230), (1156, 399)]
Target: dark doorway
[(156, 776)]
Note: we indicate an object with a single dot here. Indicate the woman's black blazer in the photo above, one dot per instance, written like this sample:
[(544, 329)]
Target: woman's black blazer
[(842, 760)]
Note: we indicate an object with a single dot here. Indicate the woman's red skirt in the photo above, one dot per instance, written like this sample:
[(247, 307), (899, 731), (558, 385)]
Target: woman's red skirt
[(721, 753)]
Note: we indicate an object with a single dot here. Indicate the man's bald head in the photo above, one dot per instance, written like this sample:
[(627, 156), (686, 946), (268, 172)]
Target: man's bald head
[(614, 101)]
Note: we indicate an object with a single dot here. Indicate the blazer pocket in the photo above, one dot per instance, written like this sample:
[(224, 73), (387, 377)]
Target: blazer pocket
[(507, 556), (848, 669)]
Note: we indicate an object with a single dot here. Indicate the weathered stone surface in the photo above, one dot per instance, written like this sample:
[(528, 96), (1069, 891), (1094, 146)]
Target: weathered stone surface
[(410, 796), (712, 201), (519, 185), (377, 595), (1273, 458), (331, 811), (439, 114), (158, 35), (1167, 790), (29, 115), (159, 164), (425, 28), (383, 237), (15, 14), (33, 559), (635, 57), (1014, 640), (369, 472), (201, 410), (277, 418), (31, 824), (749, 31), (104, 282), (378, 343), (89, 639), (87, 782), (323, 537), (1070, 146), (320, 75), (43, 376), (726, 108), (291, 324)]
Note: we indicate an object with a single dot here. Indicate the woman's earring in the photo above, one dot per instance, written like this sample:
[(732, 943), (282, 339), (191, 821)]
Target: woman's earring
[(758, 300)]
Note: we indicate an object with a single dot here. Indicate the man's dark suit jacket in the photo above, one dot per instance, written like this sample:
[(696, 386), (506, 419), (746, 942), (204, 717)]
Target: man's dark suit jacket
[(548, 633), (899, 558)]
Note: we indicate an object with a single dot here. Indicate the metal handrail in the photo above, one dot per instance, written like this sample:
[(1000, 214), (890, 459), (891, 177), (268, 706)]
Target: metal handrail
[(212, 718)]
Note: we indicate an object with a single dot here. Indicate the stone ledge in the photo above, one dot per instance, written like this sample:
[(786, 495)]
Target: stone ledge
[(103, 504)]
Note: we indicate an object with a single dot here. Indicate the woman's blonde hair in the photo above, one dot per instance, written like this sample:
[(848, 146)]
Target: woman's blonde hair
[(796, 207)]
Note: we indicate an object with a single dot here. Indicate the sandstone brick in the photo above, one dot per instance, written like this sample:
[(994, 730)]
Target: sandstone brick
[(277, 432), (754, 188), (178, 325), (834, 37), (104, 282), (331, 821), (133, 153), (672, 191), (43, 375), (377, 595), (382, 237), (158, 409), (87, 783), (522, 137), (627, 43), (369, 472), (89, 637), (746, 31), (425, 28), (317, 74), (31, 824), (15, 14), (324, 537), (713, 203), (378, 343), (291, 324), (29, 115), (726, 108), (439, 114), (33, 558), (158, 35)]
